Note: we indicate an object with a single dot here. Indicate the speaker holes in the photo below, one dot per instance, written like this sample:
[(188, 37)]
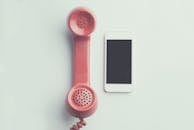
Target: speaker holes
[(82, 97)]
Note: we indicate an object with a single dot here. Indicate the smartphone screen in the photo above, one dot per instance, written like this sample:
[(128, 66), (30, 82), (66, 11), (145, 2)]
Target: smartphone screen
[(119, 57)]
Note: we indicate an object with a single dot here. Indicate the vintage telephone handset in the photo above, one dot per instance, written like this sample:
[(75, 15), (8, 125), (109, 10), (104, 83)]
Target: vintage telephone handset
[(81, 99)]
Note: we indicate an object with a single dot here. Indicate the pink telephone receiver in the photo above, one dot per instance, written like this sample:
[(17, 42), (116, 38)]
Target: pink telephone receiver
[(81, 99)]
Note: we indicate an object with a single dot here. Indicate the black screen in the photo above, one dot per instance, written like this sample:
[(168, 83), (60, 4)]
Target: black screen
[(118, 61)]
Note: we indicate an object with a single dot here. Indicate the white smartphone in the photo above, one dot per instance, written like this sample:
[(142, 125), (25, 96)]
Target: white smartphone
[(118, 62)]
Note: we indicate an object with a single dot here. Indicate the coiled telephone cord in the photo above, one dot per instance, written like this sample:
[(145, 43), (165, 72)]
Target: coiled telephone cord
[(79, 124)]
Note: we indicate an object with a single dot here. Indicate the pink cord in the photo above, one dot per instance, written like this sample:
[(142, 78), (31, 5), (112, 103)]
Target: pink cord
[(78, 125)]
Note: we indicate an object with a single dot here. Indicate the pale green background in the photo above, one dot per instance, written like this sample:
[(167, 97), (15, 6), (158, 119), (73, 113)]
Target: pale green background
[(35, 64)]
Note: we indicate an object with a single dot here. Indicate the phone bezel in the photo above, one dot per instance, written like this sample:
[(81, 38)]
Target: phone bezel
[(117, 87)]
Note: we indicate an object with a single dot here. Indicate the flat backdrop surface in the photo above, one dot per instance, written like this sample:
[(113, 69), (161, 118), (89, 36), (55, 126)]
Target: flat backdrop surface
[(36, 65)]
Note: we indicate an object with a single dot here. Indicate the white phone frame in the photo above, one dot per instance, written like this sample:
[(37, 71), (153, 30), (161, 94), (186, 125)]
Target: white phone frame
[(117, 87)]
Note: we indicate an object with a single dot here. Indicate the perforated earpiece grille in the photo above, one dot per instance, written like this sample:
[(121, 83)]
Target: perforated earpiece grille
[(82, 21), (82, 97)]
